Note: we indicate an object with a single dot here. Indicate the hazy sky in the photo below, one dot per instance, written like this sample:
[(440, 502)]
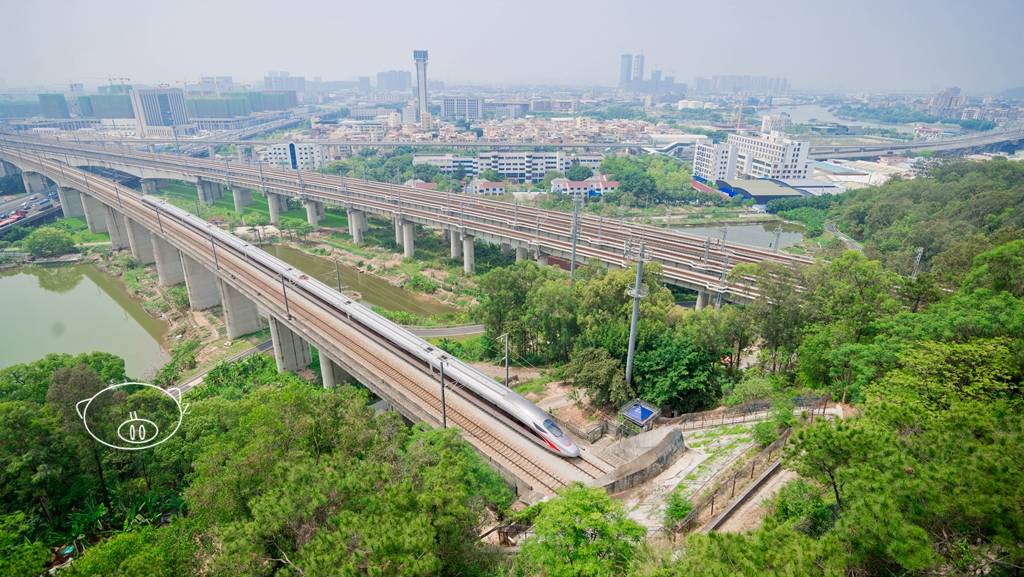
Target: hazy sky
[(832, 44)]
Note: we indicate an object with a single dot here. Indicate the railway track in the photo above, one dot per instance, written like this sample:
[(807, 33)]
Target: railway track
[(328, 324), (686, 258)]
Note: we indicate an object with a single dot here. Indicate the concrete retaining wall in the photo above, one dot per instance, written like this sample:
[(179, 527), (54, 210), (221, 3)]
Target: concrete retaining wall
[(649, 464)]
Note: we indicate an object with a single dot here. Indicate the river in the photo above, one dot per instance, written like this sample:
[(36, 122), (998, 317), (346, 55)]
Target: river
[(812, 113), (374, 290), (759, 235), (76, 309)]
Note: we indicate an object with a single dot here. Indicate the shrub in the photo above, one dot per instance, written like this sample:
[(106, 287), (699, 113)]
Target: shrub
[(48, 241), (677, 507)]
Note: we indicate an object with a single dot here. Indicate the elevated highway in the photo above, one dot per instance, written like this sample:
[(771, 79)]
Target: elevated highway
[(697, 263), (253, 288), (965, 142)]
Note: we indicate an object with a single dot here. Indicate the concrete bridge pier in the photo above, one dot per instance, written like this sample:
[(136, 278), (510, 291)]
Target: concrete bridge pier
[(398, 230), (274, 204), (331, 372), (208, 191), (241, 315), (115, 226), (168, 262), (703, 300), (201, 285), (408, 239), (455, 243), (468, 254), (242, 198), (291, 352), (356, 228), (34, 182), (95, 214), (313, 209), (521, 253), (150, 186), (542, 259), (8, 169), (139, 241), (70, 202)]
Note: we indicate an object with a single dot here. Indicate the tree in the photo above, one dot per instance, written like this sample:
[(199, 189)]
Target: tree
[(578, 172), (20, 556), (490, 174), (583, 533), (49, 242), (823, 451), (599, 374), (676, 374), (1000, 269)]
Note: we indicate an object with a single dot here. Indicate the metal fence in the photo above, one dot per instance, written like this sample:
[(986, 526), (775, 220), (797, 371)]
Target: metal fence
[(747, 412), (717, 492)]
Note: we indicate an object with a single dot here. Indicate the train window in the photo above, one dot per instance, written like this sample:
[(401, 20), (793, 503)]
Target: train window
[(553, 428)]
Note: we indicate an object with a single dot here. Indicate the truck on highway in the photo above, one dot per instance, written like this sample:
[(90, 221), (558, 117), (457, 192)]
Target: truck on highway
[(13, 218)]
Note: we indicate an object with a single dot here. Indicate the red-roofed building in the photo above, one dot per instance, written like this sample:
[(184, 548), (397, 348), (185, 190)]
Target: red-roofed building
[(477, 186)]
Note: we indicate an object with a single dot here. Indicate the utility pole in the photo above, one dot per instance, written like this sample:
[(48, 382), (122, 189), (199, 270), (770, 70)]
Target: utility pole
[(575, 237), (337, 273), (638, 291), (725, 271), (506, 359), (444, 407)]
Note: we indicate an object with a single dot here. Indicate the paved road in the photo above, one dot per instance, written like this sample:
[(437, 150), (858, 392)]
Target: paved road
[(13, 203), (850, 243)]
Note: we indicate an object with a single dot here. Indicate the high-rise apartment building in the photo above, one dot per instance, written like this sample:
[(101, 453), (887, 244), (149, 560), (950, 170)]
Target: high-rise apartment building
[(280, 80), (394, 80), (459, 108), (758, 156), (159, 111), (420, 57)]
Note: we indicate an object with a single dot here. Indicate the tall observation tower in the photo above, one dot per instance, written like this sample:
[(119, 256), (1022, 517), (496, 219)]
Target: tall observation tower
[(420, 56)]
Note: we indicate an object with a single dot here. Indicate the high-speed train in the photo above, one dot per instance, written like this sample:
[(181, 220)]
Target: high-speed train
[(502, 402)]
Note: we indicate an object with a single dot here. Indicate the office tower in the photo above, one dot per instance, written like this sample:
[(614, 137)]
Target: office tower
[(625, 70), (420, 56), (54, 106), (159, 107), (638, 69)]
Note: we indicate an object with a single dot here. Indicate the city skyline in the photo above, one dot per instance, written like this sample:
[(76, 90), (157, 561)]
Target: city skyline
[(850, 46)]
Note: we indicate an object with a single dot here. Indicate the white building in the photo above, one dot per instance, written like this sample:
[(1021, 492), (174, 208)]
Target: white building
[(598, 183), (758, 156), (455, 108), (520, 166), (713, 162), (304, 155)]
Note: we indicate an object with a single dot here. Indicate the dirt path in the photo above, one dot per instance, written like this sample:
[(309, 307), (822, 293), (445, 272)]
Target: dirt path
[(749, 515)]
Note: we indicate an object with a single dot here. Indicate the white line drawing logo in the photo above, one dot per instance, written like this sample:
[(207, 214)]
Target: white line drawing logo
[(135, 432)]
